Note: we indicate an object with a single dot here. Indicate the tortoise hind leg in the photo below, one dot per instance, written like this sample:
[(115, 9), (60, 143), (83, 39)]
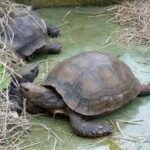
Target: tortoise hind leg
[(86, 128), (145, 90)]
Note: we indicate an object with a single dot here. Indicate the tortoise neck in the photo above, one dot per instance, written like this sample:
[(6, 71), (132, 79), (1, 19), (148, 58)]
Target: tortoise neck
[(52, 100)]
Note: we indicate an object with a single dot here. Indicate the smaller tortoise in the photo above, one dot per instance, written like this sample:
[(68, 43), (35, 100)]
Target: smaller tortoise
[(28, 74), (86, 85), (30, 35)]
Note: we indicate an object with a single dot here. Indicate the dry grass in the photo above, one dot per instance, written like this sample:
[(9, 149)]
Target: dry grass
[(134, 17), (7, 11), (12, 127)]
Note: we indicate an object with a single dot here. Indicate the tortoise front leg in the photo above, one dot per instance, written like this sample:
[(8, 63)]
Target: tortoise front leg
[(145, 90), (86, 128)]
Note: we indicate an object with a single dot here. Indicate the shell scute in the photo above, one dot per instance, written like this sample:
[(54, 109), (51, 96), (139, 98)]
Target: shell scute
[(94, 83)]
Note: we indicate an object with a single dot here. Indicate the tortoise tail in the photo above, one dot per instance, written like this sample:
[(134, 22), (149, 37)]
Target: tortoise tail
[(145, 90)]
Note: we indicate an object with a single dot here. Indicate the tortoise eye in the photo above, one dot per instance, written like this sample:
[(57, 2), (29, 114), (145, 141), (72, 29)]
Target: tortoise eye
[(25, 89), (32, 70)]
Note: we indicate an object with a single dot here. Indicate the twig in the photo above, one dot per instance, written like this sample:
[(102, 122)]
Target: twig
[(99, 141), (48, 129), (119, 129), (135, 122), (67, 14), (113, 124), (31, 145), (48, 60), (11, 70), (62, 24), (55, 142)]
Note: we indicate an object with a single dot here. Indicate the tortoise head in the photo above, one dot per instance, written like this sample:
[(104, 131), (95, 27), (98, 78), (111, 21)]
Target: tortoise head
[(29, 73), (33, 92)]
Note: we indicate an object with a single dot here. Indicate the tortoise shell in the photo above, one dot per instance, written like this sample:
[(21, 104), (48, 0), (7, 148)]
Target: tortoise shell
[(29, 33), (93, 83)]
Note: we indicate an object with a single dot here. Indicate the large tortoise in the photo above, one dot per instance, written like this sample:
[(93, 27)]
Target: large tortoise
[(27, 34), (86, 85)]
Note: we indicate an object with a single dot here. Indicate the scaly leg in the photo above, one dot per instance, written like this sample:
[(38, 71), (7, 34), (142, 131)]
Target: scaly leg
[(86, 128), (50, 49)]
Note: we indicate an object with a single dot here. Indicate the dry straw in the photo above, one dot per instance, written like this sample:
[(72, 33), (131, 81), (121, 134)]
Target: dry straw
[(134, 17), (12, 128), (7, 11)]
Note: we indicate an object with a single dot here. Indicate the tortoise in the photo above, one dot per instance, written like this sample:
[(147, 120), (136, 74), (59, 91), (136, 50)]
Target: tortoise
[(86, 85), (28, 74), (30, 35)]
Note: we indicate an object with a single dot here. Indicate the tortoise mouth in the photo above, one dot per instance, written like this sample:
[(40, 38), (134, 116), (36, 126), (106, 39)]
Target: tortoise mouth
[(23, 88)]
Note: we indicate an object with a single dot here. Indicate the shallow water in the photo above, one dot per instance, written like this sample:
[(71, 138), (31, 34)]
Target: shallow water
[(81, 32)]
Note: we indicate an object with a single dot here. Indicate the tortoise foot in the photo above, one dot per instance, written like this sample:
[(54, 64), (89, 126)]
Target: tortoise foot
[(53, 32), (90, 129), (101, 129), (87, 128)]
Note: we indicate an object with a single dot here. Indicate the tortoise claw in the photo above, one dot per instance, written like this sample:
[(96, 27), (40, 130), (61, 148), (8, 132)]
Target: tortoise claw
[(104, 130), (53, 32), (90, 129)]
